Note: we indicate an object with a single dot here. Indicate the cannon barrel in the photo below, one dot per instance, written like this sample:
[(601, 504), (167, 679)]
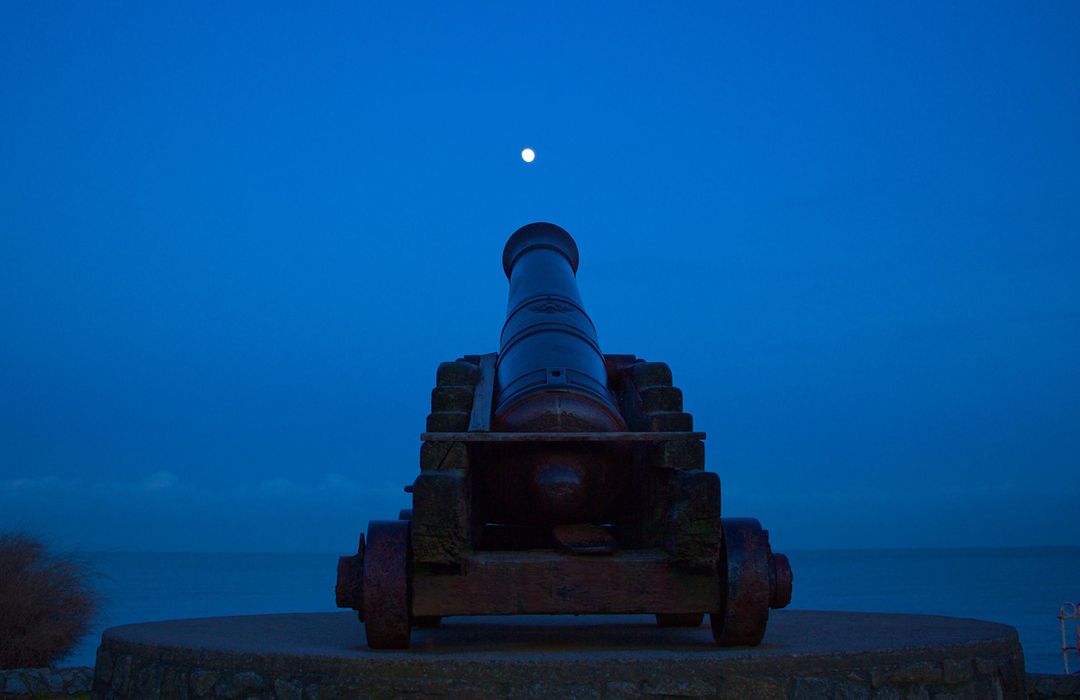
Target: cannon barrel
[(550, 375)]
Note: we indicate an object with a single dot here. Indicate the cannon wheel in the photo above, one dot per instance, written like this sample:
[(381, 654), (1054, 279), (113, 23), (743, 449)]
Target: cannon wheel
[(679, 619), (744, 567), (386, 585)]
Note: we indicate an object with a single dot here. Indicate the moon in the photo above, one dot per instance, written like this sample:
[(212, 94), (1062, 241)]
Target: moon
[(528, 155)]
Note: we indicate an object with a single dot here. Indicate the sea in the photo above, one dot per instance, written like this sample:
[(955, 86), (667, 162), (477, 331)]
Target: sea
[(1024, 588)]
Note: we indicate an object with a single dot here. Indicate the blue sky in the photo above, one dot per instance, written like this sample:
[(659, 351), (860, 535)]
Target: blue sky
[(236, 240)]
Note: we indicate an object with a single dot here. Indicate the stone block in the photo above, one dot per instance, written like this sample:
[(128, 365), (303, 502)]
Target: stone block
[(851, 690), (320, 656), (147, 681), (680, 688), (15, 684), (241, 684), (622, 690), (122, 673), (287, 690), (813, 689), (54, 682), (174, 684), (737, 687), (203, 681), (956, 671), (918, 672)]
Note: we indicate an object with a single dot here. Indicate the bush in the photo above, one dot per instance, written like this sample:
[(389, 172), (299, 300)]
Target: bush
[(46, 603)]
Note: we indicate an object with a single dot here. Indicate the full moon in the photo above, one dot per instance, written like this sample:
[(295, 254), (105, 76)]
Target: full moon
[(528, 155)]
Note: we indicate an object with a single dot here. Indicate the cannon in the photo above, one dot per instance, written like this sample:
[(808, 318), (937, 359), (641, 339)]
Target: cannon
[(556, 479)]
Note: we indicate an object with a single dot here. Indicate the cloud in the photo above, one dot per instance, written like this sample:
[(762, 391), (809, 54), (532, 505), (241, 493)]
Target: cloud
[(23, 486), (320, 488), (329, 486), (159, 481), (276, 487)]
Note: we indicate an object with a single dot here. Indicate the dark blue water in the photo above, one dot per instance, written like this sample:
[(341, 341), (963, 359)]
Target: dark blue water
[(1020, 587)]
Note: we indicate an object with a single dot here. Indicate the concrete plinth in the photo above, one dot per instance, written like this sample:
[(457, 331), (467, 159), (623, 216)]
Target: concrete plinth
[(806, 655)]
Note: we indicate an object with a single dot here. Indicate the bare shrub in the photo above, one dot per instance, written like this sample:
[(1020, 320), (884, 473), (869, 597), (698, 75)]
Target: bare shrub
[(46, 603)]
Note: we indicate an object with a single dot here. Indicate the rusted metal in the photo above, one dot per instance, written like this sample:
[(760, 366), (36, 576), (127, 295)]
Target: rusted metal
[(349, 592), (556, 479), (782, 580), (752, 584), (550, 377), (1069, 611), (550, 374), (386, 585)]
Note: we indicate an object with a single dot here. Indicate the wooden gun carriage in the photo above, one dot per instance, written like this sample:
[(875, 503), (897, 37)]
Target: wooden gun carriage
[(557, 479)]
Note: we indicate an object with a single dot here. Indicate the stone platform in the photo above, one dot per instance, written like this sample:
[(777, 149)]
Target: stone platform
[(806, 655)]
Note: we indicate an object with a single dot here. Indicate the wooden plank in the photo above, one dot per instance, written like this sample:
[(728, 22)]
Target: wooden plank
[(675, 454), (443, 456), (549, 582), (646, 436), (692, 522), (485, 389), (458, 373), (440, 522)]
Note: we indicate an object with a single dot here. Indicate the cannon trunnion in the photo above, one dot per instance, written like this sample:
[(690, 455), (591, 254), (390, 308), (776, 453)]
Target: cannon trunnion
[(557, 479)]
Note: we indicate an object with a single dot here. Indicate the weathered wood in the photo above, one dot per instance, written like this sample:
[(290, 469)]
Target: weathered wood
[(485, 387), (629, 400), (616, 366), (646, 374), (671, 421), (440, 522), (661, 398), (447, 421), (653, 490), (541, 582), (451, 398), (458, 373), (679, 454), (692, 533), (647, 436), (443, 456)]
